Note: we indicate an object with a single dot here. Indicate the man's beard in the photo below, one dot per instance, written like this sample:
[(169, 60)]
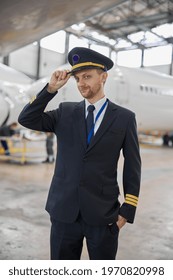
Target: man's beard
[(87, 92)]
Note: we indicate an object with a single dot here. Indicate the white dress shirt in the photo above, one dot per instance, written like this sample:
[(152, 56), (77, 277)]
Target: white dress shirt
[(97, 106)]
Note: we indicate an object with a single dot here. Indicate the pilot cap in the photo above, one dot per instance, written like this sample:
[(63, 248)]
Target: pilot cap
[(84, 58)]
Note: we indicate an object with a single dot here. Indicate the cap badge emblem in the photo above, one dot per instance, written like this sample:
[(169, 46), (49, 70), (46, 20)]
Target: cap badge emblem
[(75, 58)]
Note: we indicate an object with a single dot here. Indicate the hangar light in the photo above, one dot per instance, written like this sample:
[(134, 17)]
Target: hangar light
[(165, 30), (150, 39), (103, 38), (78, 27), (146, 38), (123, 44)]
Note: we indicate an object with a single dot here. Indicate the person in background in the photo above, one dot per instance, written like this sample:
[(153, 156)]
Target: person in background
[(49, 147), (7, 131), (83, 200), (166, 139)]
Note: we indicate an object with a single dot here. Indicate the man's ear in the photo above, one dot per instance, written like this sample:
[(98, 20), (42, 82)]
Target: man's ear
[(104, 76)]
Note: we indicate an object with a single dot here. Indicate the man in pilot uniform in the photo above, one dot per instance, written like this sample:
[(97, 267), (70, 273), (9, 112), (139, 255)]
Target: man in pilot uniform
[(83, 196)]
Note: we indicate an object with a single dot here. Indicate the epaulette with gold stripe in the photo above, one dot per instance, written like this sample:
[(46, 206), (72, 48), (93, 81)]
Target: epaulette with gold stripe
[(32, 99), (131, 199)]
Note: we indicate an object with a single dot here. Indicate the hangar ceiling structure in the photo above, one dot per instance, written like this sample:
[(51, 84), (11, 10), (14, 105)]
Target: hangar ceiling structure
[(129, 17), (23, 21)]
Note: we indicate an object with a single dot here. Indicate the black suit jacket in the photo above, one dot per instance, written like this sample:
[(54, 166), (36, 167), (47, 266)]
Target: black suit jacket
[(85, 179)]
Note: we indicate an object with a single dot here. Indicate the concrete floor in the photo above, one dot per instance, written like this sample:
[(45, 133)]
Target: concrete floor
[(24, 224)]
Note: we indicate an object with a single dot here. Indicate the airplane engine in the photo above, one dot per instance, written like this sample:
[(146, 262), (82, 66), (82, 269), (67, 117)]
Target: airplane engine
[(12, 100)]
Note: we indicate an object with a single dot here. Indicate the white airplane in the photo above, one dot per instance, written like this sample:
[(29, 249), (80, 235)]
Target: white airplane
[(13, 85), (149, 94)]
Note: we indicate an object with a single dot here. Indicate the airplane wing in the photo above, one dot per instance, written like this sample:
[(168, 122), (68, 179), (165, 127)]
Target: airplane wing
[(23, 22)]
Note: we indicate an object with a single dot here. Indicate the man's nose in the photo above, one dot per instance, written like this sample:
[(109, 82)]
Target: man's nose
[(81, 82)]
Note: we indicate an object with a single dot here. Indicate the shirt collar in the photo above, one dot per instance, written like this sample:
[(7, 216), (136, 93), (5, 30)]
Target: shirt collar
[(97, 104)]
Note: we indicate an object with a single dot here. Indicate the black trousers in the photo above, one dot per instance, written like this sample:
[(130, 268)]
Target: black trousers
[(66, 240)]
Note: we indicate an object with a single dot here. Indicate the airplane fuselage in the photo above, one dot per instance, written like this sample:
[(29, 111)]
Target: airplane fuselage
[(149, 94)]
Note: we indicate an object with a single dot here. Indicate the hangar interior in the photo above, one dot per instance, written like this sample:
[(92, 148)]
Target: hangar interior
[(35, 37), (131, 32)]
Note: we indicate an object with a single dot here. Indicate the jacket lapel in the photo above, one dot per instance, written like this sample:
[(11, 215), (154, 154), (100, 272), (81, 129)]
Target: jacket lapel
[(109, 117), (80, 125)]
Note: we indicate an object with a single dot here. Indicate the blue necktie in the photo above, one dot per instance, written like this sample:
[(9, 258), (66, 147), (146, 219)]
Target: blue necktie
[(90, 123)]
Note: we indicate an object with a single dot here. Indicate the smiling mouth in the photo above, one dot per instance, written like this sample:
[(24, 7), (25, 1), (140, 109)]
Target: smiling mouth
[(83, 89)]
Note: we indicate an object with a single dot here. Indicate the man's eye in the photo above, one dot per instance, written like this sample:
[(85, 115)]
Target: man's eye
[(87, 77)]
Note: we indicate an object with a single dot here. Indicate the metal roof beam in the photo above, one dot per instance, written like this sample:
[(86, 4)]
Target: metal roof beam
[(144, 28), (141, 20)]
